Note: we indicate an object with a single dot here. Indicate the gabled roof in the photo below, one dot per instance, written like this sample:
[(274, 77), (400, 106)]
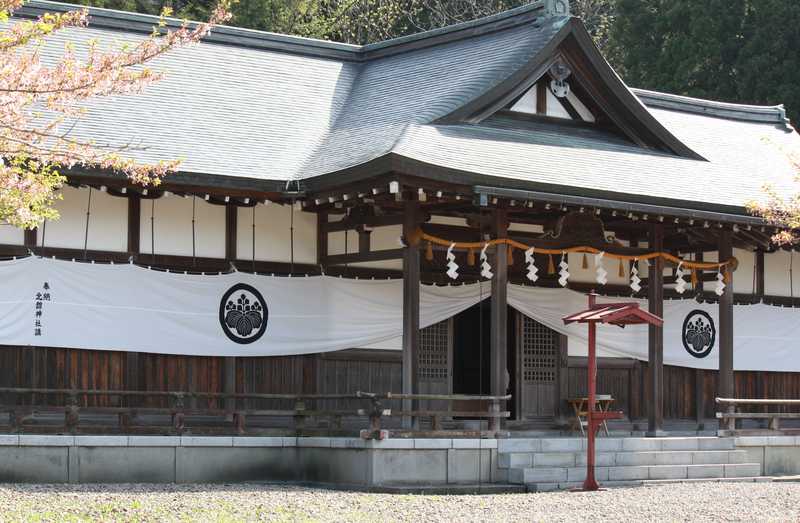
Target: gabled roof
[(259, 110)]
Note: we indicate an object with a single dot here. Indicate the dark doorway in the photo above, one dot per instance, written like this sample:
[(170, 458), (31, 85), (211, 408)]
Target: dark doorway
[(472, 347)]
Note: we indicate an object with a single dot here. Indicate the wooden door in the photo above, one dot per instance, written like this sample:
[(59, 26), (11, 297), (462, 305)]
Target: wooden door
[(538, 365), (436, 362)]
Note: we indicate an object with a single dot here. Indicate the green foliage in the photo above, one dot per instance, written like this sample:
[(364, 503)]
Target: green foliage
[(740, 51)]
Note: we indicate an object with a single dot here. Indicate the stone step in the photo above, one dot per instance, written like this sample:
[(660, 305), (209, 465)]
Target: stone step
[(551, 445), (547, 487), (608, 459), (560, 475)]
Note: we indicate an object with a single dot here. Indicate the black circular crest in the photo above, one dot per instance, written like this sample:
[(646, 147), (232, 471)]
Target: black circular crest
[(243, 313), (699, 333)]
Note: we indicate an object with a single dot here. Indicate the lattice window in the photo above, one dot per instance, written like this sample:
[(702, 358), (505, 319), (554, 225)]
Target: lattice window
[(539, 352), (433, 348)]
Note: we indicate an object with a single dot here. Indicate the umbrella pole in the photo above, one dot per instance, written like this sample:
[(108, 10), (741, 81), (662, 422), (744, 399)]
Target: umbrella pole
[(591, 483)]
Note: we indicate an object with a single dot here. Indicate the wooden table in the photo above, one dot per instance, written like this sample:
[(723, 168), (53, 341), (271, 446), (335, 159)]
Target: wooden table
[(580, 407)]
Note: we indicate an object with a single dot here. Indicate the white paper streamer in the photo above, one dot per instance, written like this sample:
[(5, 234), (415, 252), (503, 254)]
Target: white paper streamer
[(602, 274), (720, 287), (531, 261), (680, 283), (452, 266), (563, 271), (486, 269), (635, 280)]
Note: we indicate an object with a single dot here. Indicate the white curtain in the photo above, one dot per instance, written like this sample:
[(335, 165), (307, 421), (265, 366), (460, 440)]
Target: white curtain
[(125, 307), (49, 303), (764, 337)]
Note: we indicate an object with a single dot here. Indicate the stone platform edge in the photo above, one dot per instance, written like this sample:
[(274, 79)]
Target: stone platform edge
[(58, 440)]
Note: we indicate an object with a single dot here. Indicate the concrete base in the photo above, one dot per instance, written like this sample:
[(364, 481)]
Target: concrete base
[(778, 455), (340, 462)]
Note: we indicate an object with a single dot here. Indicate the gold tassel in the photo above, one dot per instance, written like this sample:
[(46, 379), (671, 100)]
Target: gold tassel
[(510, 255), (429, 252), (726, 276), (471, 257), (585, 263), (621, 269), (551, 266)]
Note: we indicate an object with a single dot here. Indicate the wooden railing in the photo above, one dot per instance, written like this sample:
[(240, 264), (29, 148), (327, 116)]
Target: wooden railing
[(233, 410), (729, 414)]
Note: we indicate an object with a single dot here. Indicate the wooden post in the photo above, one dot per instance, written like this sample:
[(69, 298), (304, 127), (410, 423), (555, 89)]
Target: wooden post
[(759, 268), (363, 240), (229, 363), (134, 222), (322, 239), (30, 238), (231, 215), (726, 389), (498, 358), (699, 398), (411, 281), (655, 345)]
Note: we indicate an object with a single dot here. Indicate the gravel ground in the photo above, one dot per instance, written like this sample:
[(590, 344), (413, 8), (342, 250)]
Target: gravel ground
[(137, 502)]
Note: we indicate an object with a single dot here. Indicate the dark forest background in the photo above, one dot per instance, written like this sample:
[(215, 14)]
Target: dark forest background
[(744, 51)]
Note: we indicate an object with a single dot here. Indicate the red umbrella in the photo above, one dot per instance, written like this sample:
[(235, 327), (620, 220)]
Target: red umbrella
[(620, 314)]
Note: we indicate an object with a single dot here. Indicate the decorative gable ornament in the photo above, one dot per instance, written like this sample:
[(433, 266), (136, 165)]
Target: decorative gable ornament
[(556, 8), (560, 71)]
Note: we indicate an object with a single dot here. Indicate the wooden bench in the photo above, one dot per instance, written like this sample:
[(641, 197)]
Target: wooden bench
[(729, 415)]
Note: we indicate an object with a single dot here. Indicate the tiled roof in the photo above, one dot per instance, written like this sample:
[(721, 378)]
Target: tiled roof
[(271, 109)]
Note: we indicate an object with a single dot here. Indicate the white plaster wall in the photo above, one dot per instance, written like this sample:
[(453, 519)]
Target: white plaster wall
[(172, 226), (108, 221), (381, 238), (273, 234), (10, 235), (743, 276), (777, 279)]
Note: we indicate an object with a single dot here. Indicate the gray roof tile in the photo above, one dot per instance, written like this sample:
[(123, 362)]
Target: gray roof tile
[(267, 107)]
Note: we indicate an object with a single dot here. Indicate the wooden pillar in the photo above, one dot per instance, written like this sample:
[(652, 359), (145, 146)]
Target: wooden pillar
[(699, 398), (759, 268), (322, 239), (30, 238), (411, 281), (229, 363), (498, 357), (134, 222), (655, 342), (364, 243), (231, 215), (726, 389)]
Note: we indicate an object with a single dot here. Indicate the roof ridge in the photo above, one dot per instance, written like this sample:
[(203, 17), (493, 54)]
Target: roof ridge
[(243, 37), (734, 111)]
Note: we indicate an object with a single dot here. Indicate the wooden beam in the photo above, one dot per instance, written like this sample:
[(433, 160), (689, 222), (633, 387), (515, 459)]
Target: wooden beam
[(322, 239), (726, 388), (411, 282), (231, 216), (348, 223), (655, 341), (541, 97), (358, 257), (134, 222), (499, 313), (364, 240)]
